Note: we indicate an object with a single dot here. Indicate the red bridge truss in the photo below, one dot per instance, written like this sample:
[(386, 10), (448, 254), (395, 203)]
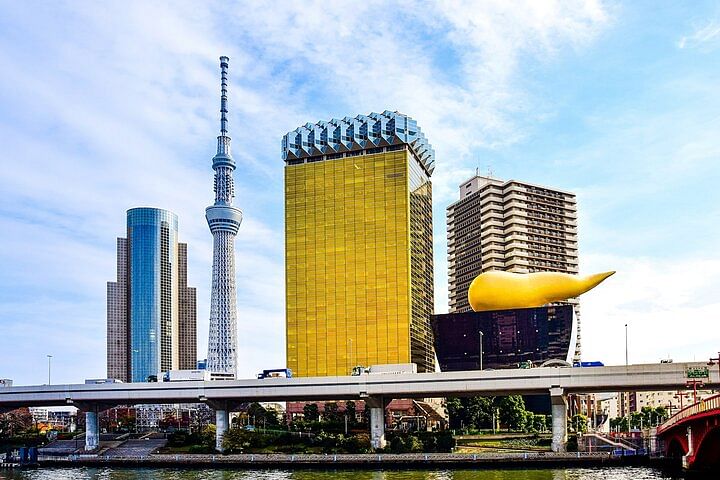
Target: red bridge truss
[(693, 434)]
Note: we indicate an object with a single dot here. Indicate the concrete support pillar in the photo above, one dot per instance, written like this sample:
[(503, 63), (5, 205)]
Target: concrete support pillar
[(92, 430), (376, 405), (654, 445), (691, 449), (559, 419), (222, 421)]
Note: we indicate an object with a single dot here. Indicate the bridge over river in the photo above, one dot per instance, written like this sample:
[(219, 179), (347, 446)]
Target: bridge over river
[(693, 433), (375, 390)]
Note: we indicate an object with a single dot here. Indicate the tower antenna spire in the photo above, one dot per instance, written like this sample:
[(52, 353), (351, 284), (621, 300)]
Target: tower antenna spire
[(224, 221), (223, 95)]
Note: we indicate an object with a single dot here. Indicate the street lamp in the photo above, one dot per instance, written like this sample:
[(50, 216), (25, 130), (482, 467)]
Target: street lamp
[(350, 353), (679, 395), (626, 345), (695, 383), (713, 361), (49, 357), (481, 349)]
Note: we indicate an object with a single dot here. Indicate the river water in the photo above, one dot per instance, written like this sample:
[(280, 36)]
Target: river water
[(619, 473)]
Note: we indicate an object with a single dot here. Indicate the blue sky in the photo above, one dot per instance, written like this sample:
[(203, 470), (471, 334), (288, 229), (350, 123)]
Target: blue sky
[(107, 106)]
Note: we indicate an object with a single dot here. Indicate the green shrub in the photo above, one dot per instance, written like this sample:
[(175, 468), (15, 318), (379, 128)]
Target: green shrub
[(413, 444), (178, 439), (445, 442), (236, 440), (397, 445), (429, 442), (200, 449), (358, 444), (572, 443)]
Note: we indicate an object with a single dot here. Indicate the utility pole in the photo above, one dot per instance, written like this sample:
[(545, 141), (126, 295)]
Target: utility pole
[(713, 361), (626, 345), (49, 357)]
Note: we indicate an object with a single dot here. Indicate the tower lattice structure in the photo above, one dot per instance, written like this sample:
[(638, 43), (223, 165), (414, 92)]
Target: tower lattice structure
[(224, 221)]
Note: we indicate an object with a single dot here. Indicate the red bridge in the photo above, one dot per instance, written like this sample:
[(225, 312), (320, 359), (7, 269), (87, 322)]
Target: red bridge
[(693, 434)]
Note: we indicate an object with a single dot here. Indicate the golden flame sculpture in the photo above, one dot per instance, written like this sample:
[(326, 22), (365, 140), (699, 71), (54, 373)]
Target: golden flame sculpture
[(497, 290)]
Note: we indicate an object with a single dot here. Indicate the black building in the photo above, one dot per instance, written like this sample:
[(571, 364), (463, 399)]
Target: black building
[(509, 337)]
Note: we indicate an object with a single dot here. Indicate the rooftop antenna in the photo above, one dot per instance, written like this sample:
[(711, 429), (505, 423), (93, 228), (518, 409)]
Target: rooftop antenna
[(490, 172)]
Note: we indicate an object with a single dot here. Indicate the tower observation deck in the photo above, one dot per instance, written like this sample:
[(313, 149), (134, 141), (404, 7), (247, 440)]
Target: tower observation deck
[(224, 221)]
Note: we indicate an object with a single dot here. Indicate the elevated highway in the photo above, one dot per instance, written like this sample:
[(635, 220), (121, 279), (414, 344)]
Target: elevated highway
[(376, 390)]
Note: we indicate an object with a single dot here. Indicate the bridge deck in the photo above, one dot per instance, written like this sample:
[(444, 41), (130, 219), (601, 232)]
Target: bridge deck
[(660, 376)]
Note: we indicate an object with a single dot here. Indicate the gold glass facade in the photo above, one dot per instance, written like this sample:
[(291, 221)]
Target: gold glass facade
[(359, 276)]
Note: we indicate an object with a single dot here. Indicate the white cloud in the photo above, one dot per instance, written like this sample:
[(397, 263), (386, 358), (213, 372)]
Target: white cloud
[(707, 36), (670, 307), (115, 105)]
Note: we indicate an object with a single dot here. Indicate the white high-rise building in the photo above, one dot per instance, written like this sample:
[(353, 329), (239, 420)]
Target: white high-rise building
[(512, 226), (224, 221)]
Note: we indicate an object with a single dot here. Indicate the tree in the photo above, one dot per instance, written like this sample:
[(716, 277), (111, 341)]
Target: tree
[(15, 421), (445, 442), (469, 412), (479, 411), (619, 424), (200, 418), (397, 445), (126, 422), (578, 423), (413, 444), (262, 416), (512, 412), (331, 412), (456, 412), (529, 422), (169, 422), (358, 443), (538, 423), (236, 440), (311, 412), (661, 414)]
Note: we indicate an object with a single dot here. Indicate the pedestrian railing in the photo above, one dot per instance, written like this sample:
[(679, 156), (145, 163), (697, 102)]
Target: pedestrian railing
[(709, 404), (388, 458)]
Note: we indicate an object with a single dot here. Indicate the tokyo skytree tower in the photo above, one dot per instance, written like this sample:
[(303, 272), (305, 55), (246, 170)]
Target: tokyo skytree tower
[(224, 221)]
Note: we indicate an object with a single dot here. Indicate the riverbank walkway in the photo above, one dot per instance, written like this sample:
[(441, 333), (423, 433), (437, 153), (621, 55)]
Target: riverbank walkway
[(374, 460)]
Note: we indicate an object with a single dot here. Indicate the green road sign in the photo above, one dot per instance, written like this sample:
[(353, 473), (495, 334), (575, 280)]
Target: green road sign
[(697, 372)]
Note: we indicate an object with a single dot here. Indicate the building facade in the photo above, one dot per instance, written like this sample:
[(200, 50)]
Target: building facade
[(511, 226), (673, 401), (506, 338), (151, 316), (358, 235), (224, 221)]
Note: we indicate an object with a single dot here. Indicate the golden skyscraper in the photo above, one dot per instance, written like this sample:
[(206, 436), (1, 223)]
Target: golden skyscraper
[(358, 234)]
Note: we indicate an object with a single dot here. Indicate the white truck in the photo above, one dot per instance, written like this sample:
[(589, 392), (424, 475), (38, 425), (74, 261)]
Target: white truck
[(100, 381), (187, 376), (386, 369)]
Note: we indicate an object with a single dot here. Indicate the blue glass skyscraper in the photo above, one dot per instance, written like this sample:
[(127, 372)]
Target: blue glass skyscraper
[(152, 236), (151, 312)]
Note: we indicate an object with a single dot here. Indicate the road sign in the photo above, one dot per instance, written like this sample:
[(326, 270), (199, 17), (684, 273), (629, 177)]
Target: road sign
[(697, 372)]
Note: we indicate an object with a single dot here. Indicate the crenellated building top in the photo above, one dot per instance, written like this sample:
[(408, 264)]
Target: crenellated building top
[(312, 142)]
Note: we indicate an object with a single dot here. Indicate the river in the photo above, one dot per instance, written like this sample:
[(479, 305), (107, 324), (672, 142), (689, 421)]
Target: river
[(85, 473)]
